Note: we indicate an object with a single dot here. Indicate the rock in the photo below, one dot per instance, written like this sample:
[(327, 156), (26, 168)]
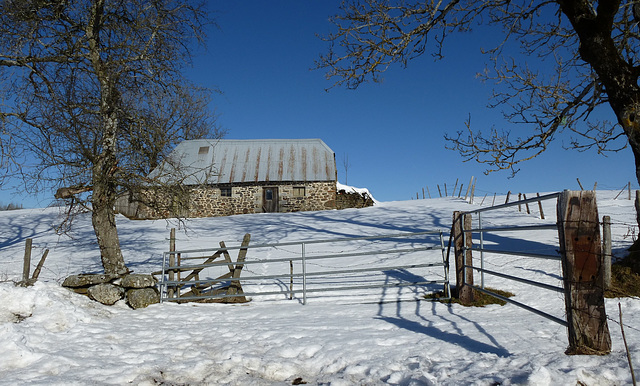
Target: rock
[(108, 289), (142, 297), (80, 290), (138, 281), (86, 280), (105, 293)]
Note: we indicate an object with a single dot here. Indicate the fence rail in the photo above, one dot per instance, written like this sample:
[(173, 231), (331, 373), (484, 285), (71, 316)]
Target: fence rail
[(414, 265), (481, 230)]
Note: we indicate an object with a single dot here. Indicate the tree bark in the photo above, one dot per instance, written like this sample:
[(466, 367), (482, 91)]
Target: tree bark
[(103, 215), (105, 187), (583, 274), (104, 225)]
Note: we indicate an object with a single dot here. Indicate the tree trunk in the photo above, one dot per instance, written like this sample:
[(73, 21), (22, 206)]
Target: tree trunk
[(618, 75), (105, 194), (105, 165), (104, 219)]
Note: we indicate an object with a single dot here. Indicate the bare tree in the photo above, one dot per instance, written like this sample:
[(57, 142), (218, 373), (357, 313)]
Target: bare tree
[(346, 165), (95, 95), (588, 51)]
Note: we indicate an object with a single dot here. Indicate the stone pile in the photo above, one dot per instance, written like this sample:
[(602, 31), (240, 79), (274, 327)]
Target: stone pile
[(139, 290)]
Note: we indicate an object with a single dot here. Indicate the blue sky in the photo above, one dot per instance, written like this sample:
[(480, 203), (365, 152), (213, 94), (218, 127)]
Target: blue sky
[(261, 58)]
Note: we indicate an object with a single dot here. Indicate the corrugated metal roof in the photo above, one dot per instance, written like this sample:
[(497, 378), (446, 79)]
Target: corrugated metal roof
[(256, 160)]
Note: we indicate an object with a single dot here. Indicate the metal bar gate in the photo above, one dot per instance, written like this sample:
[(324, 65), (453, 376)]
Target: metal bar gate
[(481, 230), (404, 261)]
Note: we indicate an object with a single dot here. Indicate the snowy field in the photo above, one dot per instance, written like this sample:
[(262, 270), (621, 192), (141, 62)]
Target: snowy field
[(49, 335)]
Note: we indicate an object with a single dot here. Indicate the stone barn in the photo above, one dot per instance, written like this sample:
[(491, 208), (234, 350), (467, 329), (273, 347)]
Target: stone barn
[(226, 177)]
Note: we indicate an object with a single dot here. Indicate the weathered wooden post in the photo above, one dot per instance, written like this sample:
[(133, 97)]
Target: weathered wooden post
[(606, 245), (637, 205), (462, 251), (540, 207), (473, 193), (519, 205), (26, 267), (466, 194), (236, 288), (290, 279), (582, 267)]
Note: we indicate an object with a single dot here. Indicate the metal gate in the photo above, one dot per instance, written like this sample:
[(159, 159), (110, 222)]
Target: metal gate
[(482, 230), (381, 268)]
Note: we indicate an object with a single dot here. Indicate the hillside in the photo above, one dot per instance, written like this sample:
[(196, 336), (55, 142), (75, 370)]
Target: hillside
[(52, 336)]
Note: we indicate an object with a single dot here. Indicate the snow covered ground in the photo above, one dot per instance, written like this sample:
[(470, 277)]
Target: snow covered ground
[(49, 335)]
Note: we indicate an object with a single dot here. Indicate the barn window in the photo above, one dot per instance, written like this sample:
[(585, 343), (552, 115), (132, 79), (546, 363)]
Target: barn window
[(299, 191), (225, 192)]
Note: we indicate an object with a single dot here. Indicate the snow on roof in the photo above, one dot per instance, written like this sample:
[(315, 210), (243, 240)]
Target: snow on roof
[(220, 161)]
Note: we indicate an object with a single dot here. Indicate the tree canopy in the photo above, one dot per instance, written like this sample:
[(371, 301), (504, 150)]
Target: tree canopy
[(94, 96), (589, 50)]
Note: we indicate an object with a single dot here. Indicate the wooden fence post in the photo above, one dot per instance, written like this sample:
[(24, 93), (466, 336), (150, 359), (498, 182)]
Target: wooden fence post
[(637, 205), (290, 279), (468, 187), (540, 207), (526, 204), (582, 268), (26, 267), (462, 252), (236, 288), (606, 245), (473, 192)]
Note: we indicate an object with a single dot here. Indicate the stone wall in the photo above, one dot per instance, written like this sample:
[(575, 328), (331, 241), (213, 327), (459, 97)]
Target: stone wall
[(139, 290), (345, 200), (318, 196), (208, 201)]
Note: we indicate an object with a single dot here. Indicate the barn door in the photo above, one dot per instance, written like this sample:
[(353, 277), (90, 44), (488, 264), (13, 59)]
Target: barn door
[(270, 199)]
